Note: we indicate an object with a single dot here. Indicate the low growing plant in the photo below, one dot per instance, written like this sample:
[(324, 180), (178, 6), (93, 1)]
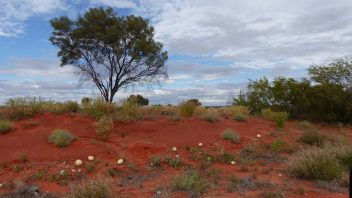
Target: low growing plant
[(211, 115), (231, 135), (95, 188), (104, 128), (5, 126), (187, 109), (241, 117), (61, 138), (191, 182), (312, 137)]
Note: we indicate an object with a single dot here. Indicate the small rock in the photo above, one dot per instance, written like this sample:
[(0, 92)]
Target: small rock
[(120, 161), (200, 144), (280, 175), (259, 136), (78, 162), (158, 192), (1, 185), (233, 162), (174, 149), (90, 158), (177, 156)]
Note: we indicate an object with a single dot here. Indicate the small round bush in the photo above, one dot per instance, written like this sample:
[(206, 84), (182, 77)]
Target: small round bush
[(104, 127), (61, 138), (5, 126), (211, 116), (280, 119), (187, 109), (230, 135), (241, 117), (313, 138), (315, 164), (96, 188)]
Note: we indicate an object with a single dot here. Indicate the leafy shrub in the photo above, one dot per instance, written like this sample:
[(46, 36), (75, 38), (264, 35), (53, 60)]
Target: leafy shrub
[(104, 127), (343, 154), (5, 126), (315, 164), (280, 119), (232, 111), (276, 145), (241, 117), (192, 182), (173, 162), (186, 109), (61, 138), (312, 137), (140, 100), (211, 115), (267, 114), (226, 157), (71, 106), (99, 108), (230, 135), (95, 188)]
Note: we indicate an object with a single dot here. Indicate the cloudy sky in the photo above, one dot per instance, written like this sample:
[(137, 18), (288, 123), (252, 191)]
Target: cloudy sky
[(214, 46)]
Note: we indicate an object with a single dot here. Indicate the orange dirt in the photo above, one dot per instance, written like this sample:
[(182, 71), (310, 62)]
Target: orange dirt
[(137, 142)]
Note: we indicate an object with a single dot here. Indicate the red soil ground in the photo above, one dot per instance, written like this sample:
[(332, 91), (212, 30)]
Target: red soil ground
[(137, 142)]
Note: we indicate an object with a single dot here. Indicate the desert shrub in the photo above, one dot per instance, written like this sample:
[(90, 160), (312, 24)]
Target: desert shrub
[(104, 127), (226, 157), (195, 102), (86, 102), (277, 145), (191, 182), (173, 162), (186, 109), (267, 114), (5, 126), (99, 108), (61, 138), (312, 137), (250, 183), (305, 125), (140, 100), (241, 117), (315, 164), (71, 106), (280, 119), (211, 115), (230, 135), (232, 111), (270, 194), (199, 111), (95, 188), (343, 154), (155, 161)]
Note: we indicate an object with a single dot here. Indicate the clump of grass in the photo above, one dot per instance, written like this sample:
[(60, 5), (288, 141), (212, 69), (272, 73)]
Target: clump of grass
[(186, 109), (232, 111), (230, 135), (277, 145), (315, 164), (280, 119), (173, 162), (250, 183), (155, 161), (211, 115), (5, 126), (129, 111), (226, 157), (271, 194), (104, 128), (95, 188), (241, 117), (267, 114), (23, 158), (98, 108), (61, 138), (191, 182), (312, 137)]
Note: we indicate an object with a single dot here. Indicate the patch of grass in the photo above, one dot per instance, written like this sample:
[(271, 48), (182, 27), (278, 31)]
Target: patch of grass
[(173, 162), (241, 117), (5, 126), (211, 115), (104, 128), (271, 194), (230, 135), (61, 138), (315, 164), (113, 172), (23, 158), (248, 183), (267, 114), (155, 161), (191, 182), (280, 119), (95, 188), (226, 157), (186, 109), (312, 137), (277, 145), (90, 168), (232, 111), (17, 168)]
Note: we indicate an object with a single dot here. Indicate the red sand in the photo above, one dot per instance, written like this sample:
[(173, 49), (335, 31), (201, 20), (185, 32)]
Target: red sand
[(137, 142)]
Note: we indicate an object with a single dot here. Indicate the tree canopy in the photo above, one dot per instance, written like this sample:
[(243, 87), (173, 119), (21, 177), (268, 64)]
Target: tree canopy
[(112, 51)]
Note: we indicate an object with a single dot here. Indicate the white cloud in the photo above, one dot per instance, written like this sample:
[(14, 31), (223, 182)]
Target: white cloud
[(115, 3)]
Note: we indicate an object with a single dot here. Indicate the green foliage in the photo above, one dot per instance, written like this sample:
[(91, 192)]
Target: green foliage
[(61, 138), (155, 161), (267, 114), (5, 126), (99, 108), (191, 182), (140, 100), (280, 119), (210, 115), (312, 137), (241, 117), (95, 188), (195, 102), (276, 145), (226, 157), (104, 128), (173, 162), (230, 135), (315, 164), (187, 109), (112, 51), (129, 111)]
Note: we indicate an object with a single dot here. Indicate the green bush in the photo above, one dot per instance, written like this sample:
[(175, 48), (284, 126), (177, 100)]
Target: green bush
[(140, 100), (99, 108), (241, 117), (230, 135), (104, 127), (276, 145), (186, 109), (312, 137), (191, 182), (343, 154), (226, 157), (267, 114), (280, 119), (61, 138), (95, 188), (5, 126), (315, 164)]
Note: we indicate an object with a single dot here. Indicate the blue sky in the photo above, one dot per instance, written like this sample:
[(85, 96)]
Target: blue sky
[(214, 46)]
